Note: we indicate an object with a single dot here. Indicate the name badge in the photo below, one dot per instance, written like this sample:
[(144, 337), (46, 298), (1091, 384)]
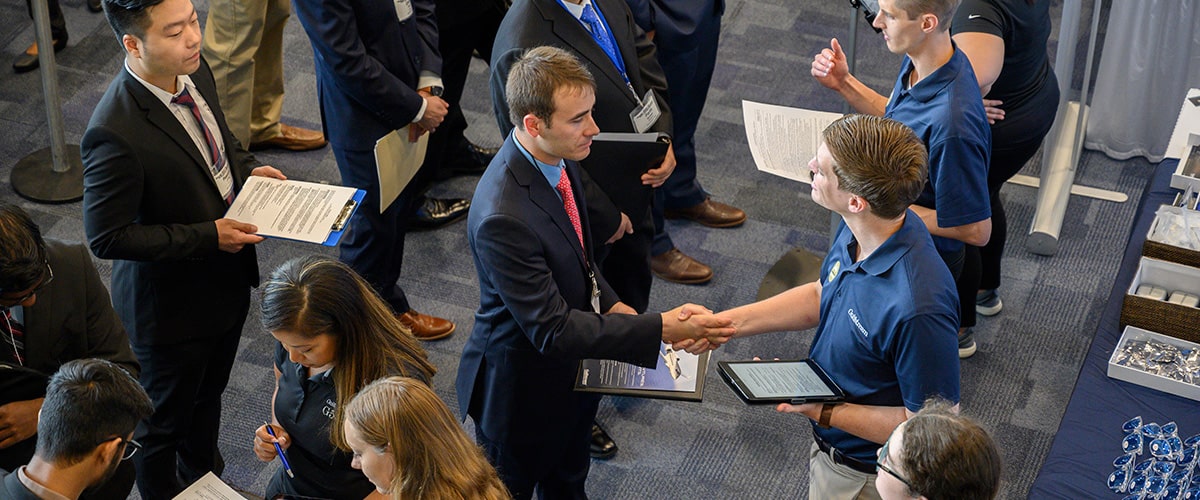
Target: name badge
[(404, 9), (595, 292), (646, 114)]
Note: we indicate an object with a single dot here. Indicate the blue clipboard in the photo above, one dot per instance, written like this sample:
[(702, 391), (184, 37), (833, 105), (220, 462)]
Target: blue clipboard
[(343, 221)]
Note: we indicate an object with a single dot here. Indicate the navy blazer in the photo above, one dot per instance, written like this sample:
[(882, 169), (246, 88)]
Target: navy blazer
[(12, 489), (533, 23), (517, 372), (149, 202), (368, 64), (674, 22)]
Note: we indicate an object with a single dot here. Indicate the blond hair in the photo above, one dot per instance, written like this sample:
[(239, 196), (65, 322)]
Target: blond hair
[(434, 458)]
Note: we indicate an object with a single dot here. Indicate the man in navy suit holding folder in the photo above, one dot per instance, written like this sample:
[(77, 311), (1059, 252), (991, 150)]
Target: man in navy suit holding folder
[(540, 295)]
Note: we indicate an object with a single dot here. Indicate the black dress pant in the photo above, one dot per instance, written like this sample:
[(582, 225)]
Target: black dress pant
[(185, 381)]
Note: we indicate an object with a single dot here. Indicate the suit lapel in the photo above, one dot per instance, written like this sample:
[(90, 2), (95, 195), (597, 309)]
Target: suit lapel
[(574, 35), (159, 116), (545, 198)]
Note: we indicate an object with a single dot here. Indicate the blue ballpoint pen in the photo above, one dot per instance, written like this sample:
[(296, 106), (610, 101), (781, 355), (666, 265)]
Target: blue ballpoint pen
[(282, 458)]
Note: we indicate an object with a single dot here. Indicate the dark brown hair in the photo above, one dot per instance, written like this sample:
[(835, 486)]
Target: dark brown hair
[(536, 76)]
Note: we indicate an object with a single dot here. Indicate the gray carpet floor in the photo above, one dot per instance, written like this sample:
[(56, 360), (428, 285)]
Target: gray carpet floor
[(1017, 384)]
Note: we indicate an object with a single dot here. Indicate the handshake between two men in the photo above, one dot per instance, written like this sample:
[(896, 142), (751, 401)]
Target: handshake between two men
[(690, 327)]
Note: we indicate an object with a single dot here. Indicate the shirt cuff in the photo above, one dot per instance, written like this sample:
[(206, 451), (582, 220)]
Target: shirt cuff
[(421, 112), (429, 79)]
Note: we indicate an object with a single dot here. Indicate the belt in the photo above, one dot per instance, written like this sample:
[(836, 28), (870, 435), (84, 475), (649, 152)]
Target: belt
[(843, 459)]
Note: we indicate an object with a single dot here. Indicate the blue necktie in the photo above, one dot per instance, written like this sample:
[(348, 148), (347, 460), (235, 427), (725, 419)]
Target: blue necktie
[(603, 37)]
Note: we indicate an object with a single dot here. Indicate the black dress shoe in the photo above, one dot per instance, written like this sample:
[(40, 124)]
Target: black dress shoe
[(94, 6), (602, 446), (28, 60), (466, 159), (438, 212)]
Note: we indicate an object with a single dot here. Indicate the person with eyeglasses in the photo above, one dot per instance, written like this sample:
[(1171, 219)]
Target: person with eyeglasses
[(84, 434), (938, 454), (53, 308)]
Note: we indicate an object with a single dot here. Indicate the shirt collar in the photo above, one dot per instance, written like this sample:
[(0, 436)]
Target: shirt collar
[(895, 247), (37, 489), (575, 10), (181, 82), (552, 173), (934, 84)]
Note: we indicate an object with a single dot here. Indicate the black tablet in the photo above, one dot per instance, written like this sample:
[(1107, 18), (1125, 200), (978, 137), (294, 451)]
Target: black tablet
[(780, 381)]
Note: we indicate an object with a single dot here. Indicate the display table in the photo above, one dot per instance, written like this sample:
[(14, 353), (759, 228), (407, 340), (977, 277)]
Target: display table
[(1089, 436)]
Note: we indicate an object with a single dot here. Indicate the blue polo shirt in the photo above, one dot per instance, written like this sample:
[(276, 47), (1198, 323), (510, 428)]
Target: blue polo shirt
[(946, 111), (889, 326)]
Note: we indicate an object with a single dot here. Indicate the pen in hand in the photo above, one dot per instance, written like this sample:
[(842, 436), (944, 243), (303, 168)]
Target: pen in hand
[(282, 458)]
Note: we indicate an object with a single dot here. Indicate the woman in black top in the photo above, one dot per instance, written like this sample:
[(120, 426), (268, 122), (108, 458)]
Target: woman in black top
[(334, 337), (1006, 43)]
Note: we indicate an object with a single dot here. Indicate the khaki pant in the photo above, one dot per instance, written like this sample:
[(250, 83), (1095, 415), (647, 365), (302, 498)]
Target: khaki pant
[(830, 481), (243, 43)]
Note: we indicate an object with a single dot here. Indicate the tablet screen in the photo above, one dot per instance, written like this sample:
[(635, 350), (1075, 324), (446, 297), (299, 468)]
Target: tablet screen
[(792, 381)]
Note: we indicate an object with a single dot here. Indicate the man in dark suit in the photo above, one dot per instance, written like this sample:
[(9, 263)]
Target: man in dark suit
[(686, 33), (541, 301), (160, 167), (84, 433), (620, 207), (55, 310), (377, 72)]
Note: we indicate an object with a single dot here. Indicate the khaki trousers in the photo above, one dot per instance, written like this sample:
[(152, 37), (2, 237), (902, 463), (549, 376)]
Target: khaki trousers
[(243, 43), (830, 481)]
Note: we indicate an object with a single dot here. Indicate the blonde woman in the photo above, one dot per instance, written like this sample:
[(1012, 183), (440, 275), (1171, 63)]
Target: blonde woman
[(406, 441)]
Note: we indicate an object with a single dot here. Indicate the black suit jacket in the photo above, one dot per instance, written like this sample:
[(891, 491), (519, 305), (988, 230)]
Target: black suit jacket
[(533, 23), (12, 489), (149, 203), (73, 317), (535, 322)]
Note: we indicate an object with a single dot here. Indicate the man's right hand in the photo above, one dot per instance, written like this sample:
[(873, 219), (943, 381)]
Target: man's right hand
[(830, 67), (700, 325), (625, 228), (435, 112), (233, 235), (264, 444)]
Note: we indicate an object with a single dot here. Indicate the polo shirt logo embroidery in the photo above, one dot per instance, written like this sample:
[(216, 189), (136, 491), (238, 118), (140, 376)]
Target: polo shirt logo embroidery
[(328, 409), (854, 319), (833, 271)]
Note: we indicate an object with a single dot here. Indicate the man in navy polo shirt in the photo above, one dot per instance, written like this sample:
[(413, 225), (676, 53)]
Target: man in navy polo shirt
[(937, 95), (884, 307)]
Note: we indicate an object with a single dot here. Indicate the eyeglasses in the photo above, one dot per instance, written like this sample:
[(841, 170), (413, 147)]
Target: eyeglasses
[(880, 463), (131, 447), (41, 286)]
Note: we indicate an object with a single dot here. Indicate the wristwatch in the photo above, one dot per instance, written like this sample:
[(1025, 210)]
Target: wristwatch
[(826, 414), (434, 90)]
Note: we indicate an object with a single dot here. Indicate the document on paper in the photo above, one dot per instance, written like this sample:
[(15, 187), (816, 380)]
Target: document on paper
[(209, 487), (782, 139), (295, 210), (397, 161)]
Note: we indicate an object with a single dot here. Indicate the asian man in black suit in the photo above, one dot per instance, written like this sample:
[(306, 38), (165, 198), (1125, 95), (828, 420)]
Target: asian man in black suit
[(160, 168), (541, 299)]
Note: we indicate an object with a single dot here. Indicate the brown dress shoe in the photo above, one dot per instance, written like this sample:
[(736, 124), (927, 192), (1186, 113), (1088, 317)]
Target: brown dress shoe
[(292, 139), (426, 327), (677, 267), (709, 213)]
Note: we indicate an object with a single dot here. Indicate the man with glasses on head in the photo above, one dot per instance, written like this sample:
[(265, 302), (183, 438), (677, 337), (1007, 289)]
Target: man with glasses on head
[(84, 434), (885, 308), (54, 309)]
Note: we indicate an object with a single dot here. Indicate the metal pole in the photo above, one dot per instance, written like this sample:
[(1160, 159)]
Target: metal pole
[(54, 174)]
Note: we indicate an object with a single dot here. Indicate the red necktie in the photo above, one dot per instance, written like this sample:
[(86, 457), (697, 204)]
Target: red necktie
[(185, 99), (568, 198), (16, 338)]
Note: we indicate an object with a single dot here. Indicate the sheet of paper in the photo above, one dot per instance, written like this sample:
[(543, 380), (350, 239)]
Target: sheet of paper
[(397, 161), (1188, 122), (209, 487), (304, 211), (782, 139)]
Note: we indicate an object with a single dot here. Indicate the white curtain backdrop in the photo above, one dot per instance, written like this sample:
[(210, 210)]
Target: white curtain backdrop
[(1151, 57)]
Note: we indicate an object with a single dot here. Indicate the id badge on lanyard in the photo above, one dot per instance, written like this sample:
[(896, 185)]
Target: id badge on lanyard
[(646, 114), (595, 291), (404, 9)]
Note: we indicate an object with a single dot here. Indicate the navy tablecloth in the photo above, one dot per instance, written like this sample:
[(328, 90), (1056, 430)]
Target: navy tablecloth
[(1089, 436)]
